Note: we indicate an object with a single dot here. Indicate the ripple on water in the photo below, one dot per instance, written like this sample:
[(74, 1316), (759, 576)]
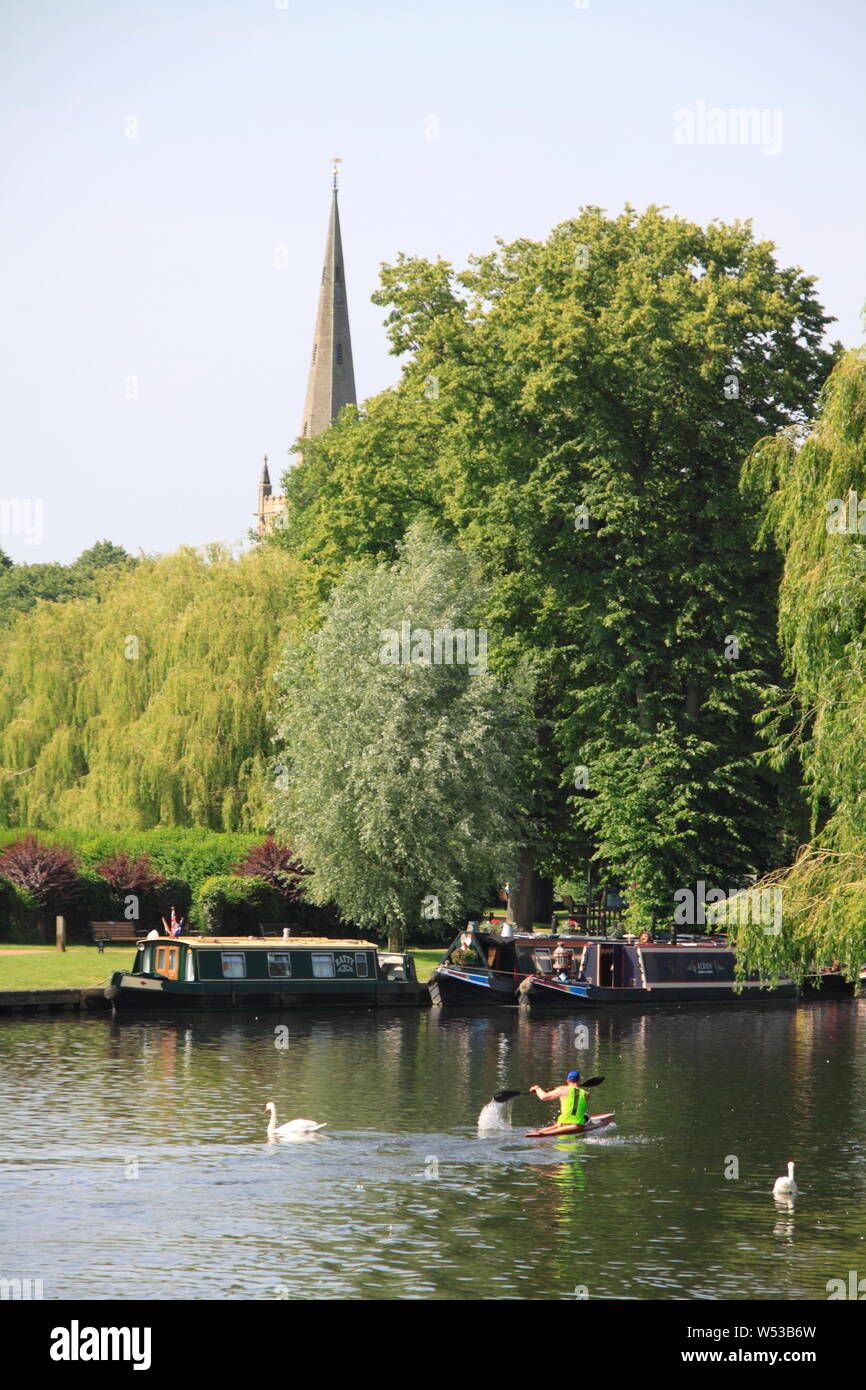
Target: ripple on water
[(403, 1196)]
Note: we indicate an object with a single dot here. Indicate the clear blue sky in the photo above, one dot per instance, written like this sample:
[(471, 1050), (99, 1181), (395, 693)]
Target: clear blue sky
[(154, 257)]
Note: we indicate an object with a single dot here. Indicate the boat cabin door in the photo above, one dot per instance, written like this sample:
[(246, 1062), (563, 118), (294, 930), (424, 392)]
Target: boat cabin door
[(609, 966), (167, 958), (501, 958)]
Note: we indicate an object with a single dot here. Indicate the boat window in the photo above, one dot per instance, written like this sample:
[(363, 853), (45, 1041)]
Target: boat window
[(234, 966), (542, 962), (190, 965), (323, 965), (690, 966), (279, 964), (362, 966), (160, 959), (147, 960)]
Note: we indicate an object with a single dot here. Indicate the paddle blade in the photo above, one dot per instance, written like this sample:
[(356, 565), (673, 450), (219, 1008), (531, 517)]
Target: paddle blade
[(501, 1097)]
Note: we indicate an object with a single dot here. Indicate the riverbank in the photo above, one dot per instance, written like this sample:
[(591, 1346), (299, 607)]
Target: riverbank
[(27, 967)]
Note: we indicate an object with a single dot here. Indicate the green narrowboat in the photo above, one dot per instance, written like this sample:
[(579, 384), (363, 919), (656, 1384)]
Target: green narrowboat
[(232, 972)]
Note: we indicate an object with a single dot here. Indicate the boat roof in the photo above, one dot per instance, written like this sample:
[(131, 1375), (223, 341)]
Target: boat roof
[(538, 939), (266, 943), (683, 945)]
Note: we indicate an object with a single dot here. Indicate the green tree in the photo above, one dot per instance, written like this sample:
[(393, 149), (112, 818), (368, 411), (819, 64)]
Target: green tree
[(22, 586), (590, 400), (362, 483), (399, 781), (148, 706), (814, 484), (100, 556)]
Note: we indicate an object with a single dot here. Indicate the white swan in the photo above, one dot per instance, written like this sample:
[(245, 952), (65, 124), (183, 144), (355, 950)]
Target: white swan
[(786, 1187), (292, 1127)]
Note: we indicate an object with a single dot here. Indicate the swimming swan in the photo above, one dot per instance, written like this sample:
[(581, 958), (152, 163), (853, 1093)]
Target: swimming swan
[(786, 1187), (293, 1126)]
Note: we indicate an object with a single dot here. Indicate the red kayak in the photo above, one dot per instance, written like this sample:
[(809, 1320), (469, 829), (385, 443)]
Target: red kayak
[(594, 1122)]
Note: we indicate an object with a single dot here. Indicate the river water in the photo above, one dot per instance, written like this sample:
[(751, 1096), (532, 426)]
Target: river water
[(134, 1159)]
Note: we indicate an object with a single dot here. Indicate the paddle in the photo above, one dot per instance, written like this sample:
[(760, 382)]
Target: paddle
[(502, 1096)]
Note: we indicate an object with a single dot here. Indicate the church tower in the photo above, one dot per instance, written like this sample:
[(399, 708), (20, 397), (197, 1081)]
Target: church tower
[(270, 507), (331, 381)]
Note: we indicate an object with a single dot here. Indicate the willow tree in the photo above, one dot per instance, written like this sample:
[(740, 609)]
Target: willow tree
[(147, 705), (400, 756), (815, 487)]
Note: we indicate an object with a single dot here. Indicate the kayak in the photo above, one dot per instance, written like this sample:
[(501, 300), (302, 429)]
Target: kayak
[(594, 1122)]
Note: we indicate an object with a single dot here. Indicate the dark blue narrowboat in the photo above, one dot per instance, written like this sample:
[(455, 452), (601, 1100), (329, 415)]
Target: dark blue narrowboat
[(486, 968), (644, 972)]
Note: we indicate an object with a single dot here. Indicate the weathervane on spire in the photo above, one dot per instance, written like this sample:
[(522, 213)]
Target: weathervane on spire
[(337, 160)]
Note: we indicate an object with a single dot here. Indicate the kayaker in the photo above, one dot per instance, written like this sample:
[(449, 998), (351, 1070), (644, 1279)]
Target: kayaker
[(572, 1098)]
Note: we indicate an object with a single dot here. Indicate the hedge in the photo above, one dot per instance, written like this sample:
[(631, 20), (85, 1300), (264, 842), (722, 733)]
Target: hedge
[(232, 906), (19, 914), (192, 859), (184, 853), (22, 919)]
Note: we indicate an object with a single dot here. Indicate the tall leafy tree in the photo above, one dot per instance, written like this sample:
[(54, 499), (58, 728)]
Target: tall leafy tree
[(362, 483), (590, 400), (399, 775)]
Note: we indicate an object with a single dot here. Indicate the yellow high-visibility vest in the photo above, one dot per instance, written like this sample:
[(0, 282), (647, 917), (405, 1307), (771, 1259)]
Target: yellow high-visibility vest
[(572, 1108)]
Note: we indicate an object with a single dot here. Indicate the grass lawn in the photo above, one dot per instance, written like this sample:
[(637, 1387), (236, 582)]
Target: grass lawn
[(48, 968), (426, 959), (44, 967)]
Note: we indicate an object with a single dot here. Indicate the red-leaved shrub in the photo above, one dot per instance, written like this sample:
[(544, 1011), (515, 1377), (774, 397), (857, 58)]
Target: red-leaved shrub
[(48, 872), (129, 875), (278, 866)]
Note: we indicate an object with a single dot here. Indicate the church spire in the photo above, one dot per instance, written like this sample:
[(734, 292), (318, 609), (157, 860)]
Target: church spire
[(331, 383)]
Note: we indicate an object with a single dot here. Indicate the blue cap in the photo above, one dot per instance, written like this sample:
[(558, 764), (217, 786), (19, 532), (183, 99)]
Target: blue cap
[(573, 1076)]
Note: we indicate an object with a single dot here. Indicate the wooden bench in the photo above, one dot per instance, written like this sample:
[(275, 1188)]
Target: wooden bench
[(103, 932)]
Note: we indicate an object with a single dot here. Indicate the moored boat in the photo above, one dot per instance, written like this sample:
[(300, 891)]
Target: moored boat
[(487, 968), (210, 972), (644, 972), (826, 983)]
